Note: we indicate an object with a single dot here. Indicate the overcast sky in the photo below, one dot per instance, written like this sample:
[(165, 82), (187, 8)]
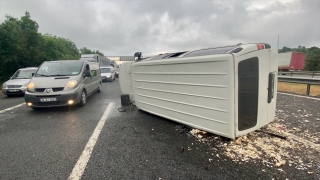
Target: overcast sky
[(123, 27)]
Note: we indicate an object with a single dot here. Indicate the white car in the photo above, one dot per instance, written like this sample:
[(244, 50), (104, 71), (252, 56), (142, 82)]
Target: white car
[(108, 73), (17, 84)]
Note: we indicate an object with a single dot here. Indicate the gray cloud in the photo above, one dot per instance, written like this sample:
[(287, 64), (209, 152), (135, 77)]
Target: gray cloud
[(123, 27)]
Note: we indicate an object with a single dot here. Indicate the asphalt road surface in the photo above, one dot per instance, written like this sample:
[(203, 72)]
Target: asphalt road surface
[(99, 142)]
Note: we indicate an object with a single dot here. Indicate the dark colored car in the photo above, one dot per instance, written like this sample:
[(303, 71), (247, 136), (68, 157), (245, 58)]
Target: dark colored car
[(117, 73)]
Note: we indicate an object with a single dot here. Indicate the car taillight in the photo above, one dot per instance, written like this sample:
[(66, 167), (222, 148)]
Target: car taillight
[(260, 46)]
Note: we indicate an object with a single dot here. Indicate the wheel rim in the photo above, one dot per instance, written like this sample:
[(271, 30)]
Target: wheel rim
[(83, 97)]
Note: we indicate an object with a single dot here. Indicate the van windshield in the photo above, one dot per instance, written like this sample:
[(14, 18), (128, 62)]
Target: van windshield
[(105, 70), (60, 68), (24, 74)]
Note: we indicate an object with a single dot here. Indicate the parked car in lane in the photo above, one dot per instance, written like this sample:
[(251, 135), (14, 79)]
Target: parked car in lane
[(107, 73), (17, 84), (63, 83)]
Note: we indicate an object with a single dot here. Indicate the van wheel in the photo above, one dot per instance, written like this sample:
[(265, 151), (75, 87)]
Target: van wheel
[(99, 88), (83, 100)]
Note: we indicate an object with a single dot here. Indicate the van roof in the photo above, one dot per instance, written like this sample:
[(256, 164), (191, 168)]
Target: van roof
[(89, 55), (62, 61)]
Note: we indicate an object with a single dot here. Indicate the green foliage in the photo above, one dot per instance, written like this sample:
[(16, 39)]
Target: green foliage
[(85, 50), (287, 49), (312, 60), (21, 45)]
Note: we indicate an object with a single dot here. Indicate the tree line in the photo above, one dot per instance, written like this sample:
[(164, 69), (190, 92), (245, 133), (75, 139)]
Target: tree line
[(312, 56), (21, 45)]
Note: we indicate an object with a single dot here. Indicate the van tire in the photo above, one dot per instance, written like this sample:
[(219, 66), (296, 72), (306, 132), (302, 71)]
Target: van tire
[(99, 88), (83, 98)]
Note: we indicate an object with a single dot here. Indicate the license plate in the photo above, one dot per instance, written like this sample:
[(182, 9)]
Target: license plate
[(48, 99), (13, 90)]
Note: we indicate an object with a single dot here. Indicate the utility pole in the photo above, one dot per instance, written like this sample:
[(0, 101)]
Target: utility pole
[(278, 43)]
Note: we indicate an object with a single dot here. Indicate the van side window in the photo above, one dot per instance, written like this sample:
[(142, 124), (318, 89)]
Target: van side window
[(86, 69)]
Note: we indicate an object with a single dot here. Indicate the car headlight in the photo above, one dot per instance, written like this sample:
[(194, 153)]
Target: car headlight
[(30, 87), (4, 85), (70, 84)]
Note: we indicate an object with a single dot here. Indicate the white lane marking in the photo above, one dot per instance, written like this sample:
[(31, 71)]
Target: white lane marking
[(79, 168), (307, 97), (13, 107)]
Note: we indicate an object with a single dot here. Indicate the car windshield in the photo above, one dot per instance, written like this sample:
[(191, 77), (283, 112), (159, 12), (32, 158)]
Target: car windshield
[(24, 74), (105, 70), (61, 68)]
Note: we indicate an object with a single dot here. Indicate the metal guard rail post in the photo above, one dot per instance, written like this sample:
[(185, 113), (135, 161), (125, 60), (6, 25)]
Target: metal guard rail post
[(300, 80)]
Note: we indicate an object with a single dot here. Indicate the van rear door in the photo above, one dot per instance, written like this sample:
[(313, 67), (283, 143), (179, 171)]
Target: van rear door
[(253, 71)]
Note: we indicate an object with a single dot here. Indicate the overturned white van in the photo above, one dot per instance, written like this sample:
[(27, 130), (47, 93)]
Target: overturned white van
[(229, 91)]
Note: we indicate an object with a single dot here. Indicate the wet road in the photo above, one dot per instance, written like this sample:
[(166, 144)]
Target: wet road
[(47, 143)]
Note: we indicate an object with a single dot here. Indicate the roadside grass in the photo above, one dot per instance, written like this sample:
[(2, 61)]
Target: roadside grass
[(298, 88)]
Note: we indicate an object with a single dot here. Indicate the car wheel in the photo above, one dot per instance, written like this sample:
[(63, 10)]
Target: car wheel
[(83, 99), (99, 88)]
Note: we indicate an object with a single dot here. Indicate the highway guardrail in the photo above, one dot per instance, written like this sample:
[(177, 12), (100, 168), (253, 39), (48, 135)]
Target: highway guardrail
[(300, 80), (305, 73)]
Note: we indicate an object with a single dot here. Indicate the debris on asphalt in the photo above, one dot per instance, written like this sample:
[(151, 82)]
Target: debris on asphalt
[(272, 145), (181, 149)]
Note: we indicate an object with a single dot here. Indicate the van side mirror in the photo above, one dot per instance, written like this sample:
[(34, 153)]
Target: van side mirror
[(88, 74)]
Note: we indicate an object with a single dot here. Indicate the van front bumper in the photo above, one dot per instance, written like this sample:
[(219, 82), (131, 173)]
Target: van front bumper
[(106, 78), (41, 100)]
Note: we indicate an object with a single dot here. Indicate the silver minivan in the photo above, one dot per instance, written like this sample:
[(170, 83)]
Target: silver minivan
[(17, 84), (63, 83)]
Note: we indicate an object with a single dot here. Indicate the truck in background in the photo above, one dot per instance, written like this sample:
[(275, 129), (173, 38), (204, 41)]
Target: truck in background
[(114, 64), (291, 61), (103, 61)]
